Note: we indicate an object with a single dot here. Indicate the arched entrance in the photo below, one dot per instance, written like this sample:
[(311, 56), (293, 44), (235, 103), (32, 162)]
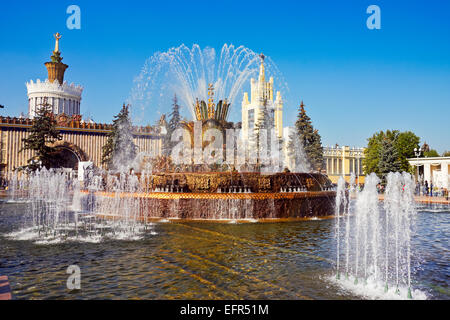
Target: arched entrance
[(67, 155)]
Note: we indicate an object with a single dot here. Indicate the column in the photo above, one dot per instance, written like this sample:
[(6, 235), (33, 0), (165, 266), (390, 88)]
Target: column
[(444, 172), (427, 172)]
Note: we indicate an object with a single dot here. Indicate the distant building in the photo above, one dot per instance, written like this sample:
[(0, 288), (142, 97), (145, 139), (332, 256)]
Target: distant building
[(261, 94), (432, 169), (343, 161), (82, 140)]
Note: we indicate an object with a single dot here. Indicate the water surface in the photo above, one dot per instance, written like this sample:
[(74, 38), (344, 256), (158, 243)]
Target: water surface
[(205, 260)]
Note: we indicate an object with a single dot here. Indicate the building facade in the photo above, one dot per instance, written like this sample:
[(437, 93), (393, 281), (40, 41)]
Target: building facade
[(433, 170), (342, 162), (81, 142), (261, 97), (63, 98)]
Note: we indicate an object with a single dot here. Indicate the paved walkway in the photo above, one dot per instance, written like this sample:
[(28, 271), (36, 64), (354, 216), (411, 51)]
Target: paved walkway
[(425, 199)]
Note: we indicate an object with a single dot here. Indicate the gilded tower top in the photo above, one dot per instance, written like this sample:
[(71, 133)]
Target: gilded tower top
[(209, 111), (56, 68)]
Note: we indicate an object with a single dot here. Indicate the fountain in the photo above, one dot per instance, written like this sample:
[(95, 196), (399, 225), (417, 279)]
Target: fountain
[(58, 210), (377, 242), (189, 71), (203, 192), (115, 202)]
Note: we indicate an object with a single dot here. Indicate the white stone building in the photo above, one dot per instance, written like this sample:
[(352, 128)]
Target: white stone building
[(432, 169), (252, 110), (63, 98)]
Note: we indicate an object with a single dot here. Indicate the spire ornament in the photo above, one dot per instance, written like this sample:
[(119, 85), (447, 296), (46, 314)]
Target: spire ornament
[(55, 67), (262, 76), (211, 105), (56, 56), (57, 37)]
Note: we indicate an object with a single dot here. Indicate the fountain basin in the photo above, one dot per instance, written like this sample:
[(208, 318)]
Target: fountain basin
[(216, 206), (225, 196)]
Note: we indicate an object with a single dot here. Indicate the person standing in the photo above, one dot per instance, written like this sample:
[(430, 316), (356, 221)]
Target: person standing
[(426, 187)]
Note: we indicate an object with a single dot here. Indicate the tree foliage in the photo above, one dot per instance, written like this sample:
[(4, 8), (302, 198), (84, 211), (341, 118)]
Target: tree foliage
[(403, 143), (175, 117), (310, 139), (389, 160), (262, 123), (174, 122), (431, 153), (119, 148), (43, 133)]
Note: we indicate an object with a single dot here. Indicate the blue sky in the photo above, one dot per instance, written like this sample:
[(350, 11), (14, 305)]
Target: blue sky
[(353, 81)]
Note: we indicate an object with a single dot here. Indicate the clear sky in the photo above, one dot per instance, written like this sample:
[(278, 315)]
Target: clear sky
[(353, 81)]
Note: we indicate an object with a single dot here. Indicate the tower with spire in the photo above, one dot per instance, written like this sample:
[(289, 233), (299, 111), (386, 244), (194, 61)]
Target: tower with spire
[(63, 98), (261, 95)]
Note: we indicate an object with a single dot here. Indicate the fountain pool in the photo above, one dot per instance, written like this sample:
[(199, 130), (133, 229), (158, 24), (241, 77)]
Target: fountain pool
[(48, 224), (176, 259)]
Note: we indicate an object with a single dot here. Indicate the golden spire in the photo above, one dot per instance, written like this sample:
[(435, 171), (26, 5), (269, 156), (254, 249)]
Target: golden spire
[(57, 37), (211, 106), (198, 113), (262, 76)]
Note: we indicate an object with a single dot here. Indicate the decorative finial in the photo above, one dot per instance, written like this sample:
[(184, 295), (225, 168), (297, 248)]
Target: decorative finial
[(211, 101), (57, 37), (56, 56), (262, 57)]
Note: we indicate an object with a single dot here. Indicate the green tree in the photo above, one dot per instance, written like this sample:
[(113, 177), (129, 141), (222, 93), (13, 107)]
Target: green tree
[(175, 117), (310, 139), (388, 158), (372, 152), (120, 149), (404, 143), (173, 124), (446, 154), (42, 134), (431, 153), (262, 123)]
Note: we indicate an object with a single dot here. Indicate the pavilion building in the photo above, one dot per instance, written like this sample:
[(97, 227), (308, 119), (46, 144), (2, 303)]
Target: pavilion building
[(433, 170), (62, 97)]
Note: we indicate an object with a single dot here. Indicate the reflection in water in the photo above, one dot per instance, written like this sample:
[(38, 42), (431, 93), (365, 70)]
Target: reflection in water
[(203, 260)]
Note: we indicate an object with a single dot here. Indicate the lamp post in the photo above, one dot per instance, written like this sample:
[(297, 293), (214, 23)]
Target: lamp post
[(417, 153)]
